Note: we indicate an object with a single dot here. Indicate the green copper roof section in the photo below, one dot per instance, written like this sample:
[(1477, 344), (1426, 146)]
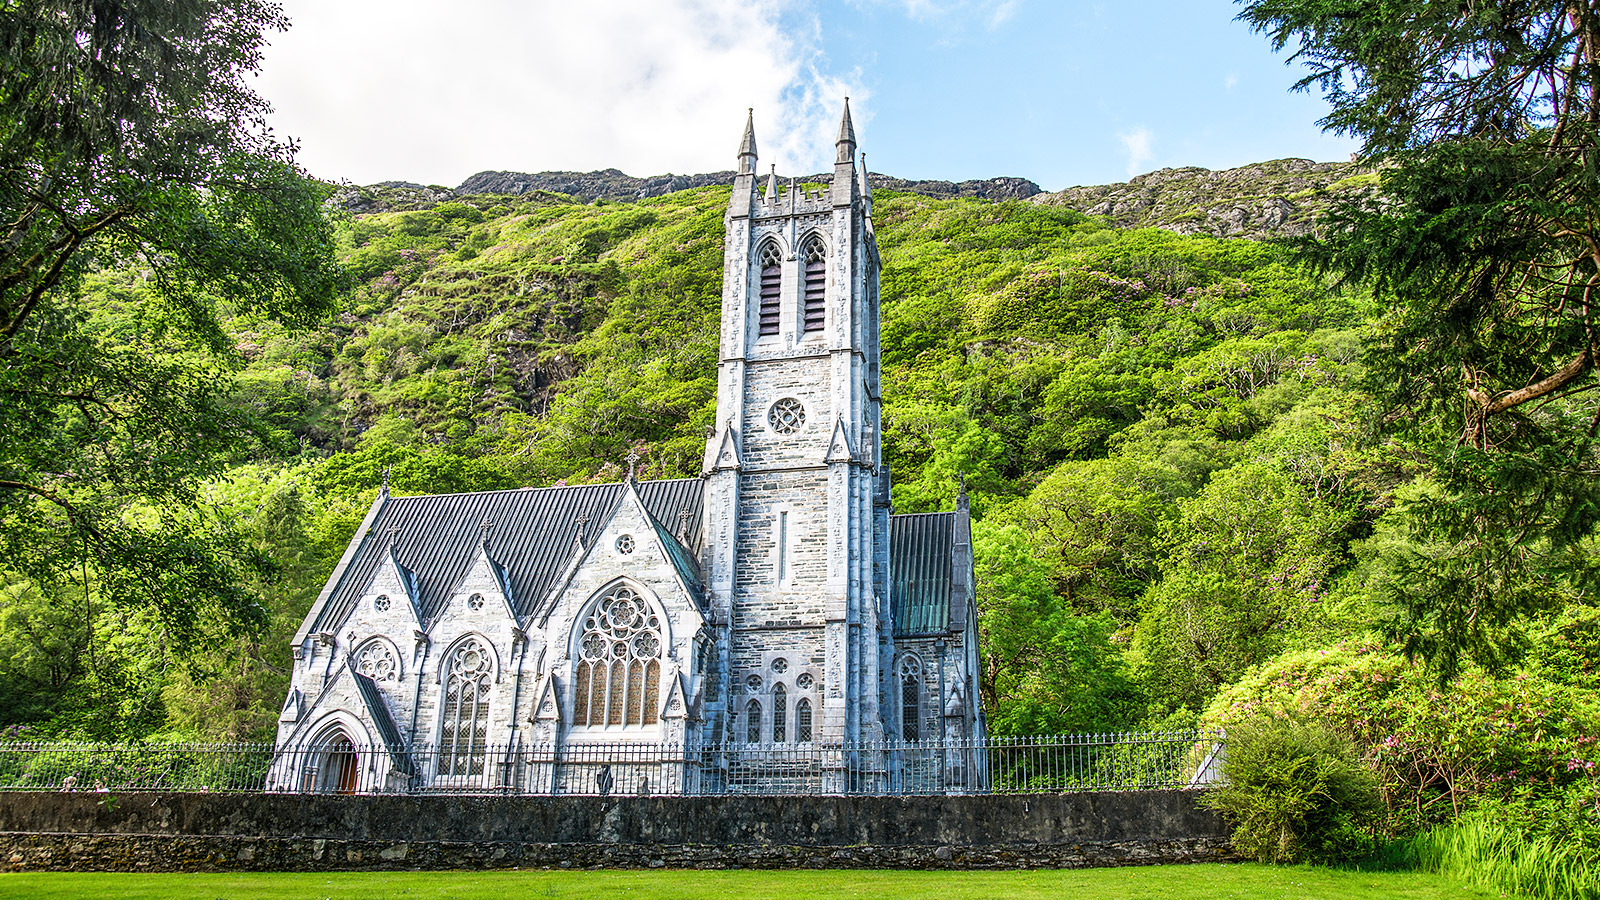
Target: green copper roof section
[(920, 563)]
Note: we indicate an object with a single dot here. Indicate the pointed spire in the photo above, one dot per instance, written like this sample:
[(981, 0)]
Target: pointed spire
[(747, 146), (846, 143), (772, 184)]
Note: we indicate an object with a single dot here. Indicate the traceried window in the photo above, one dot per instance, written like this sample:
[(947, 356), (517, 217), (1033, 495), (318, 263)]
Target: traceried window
[(619, 663), (752, 722), (911, 698), (816, 285), (771, 287), (787, 416), (802, 720), (464, 737), (780, 715), (376, 661)]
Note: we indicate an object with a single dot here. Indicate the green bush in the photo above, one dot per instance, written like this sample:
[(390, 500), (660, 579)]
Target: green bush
[(1295, 792), (1482, 850)]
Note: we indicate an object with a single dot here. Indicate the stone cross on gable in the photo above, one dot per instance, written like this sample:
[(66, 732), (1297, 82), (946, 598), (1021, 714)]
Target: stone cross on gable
[(393, 531), (583, 525), (683, 524), (484, 528), (633, 458)]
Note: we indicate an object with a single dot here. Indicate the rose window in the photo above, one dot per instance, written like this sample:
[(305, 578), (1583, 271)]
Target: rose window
[(625, 544), (381, 604), (619, 663), (376, 661), (475, 602), (780, 666), (754, 681), (786, 416), (804, 681)]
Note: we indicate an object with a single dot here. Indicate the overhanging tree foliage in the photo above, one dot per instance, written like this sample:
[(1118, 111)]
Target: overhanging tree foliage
[(130, 142), (1484, 247)]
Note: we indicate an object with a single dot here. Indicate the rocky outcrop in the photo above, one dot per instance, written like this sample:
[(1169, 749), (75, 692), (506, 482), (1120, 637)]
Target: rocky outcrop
[(1280, 198), (606, 184)]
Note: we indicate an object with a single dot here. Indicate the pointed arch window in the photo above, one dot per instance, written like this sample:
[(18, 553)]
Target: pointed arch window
[(911, 698), (802, 720), (463, 739), (752, 722), (619, 663), (771, 287), (816, 285), (780, 715)]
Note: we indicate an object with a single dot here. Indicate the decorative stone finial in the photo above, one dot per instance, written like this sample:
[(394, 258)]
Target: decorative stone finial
[(484, 528), (633, 458), (747, 146), (583, 525)]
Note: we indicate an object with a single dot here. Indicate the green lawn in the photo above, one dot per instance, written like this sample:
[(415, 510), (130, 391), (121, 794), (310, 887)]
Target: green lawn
[(1201, 882)]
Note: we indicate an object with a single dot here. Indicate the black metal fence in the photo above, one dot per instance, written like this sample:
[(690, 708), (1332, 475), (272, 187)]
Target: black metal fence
[(1009, 765)]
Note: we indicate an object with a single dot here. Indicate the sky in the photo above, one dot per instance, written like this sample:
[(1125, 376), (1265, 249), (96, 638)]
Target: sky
[(1063, 92)]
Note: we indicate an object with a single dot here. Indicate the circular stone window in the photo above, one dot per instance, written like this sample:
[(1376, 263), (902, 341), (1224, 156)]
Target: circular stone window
[(754, 681), (381, 604), (786, 416), (625, 544), (804, 681), (475, 602), (780, 665)]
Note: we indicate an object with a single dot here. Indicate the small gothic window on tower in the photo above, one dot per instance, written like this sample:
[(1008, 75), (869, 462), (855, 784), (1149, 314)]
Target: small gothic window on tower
[(802, 720), (816, 286), (771, 284), (752, 722), (786, 416)]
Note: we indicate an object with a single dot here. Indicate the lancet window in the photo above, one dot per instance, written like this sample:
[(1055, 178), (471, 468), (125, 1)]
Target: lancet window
[(816, 285), (619, 663), (771, 287), (802, 720), (464, 737), (910, 698), (780, 715), (752, 722)]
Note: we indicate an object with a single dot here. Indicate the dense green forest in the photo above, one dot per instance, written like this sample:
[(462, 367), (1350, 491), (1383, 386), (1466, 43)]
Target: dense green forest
[(1184, 515)]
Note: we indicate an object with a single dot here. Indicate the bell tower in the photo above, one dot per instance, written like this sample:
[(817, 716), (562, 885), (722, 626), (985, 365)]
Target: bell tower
[(796, 498)]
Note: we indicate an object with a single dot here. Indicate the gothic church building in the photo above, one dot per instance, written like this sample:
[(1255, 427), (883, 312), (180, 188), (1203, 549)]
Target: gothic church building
[(656, 630)]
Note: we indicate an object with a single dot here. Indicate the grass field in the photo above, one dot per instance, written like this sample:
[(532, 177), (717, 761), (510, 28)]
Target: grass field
[(1201, 882)]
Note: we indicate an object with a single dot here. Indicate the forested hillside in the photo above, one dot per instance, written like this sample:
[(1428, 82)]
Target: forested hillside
[(1182, 510)]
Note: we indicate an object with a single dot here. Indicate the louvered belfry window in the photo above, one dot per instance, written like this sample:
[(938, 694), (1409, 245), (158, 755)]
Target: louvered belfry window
[(619, 666), (816, 286), (771, 285)]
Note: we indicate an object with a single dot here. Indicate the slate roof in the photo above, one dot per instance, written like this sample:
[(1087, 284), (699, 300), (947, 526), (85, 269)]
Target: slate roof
[(388, 732), (920, 571), (436, 538)]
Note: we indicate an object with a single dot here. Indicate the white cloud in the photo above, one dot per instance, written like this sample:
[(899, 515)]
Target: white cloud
[(1231, 82), (1137, 143), (1002, 13), (953, 12), (425, 92)]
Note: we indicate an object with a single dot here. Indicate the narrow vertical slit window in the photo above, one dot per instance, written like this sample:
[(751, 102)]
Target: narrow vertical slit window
[(802, 720), (782, 543), (911, 698), (771, 288), (816, 285), (780, 715)]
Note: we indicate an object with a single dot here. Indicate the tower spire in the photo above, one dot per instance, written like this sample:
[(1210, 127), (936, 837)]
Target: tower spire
[(846, 143), (772, 184), (747, 145)]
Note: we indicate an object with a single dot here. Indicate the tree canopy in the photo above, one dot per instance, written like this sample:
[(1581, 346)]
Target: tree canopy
[(142, 198), (1483, 248)]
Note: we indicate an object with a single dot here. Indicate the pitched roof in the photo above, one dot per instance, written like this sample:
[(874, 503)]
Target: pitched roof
[(388, 732), (920, 570), (436, 538)]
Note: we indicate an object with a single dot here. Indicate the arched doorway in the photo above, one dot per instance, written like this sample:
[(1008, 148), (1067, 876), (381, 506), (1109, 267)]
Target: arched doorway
[(335, 765)]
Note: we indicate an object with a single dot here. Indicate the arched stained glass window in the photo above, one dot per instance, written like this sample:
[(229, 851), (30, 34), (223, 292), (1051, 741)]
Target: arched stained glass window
[(911, 698), (802, 720), (752, 722), (771, 287), (780, 715), (619, 663), (463, 738), (816, 285), (377, 661)]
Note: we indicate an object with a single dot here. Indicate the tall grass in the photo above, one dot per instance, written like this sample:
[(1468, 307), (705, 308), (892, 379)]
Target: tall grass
[(1488, 854)]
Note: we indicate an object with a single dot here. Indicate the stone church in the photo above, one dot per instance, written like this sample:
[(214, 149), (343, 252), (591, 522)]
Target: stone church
[(773, 606)]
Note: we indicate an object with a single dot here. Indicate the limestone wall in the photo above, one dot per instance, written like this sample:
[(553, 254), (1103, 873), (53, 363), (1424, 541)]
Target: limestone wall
[(195, 832)]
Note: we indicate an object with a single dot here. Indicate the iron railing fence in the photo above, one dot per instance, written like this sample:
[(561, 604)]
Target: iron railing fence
[(1000, 765)]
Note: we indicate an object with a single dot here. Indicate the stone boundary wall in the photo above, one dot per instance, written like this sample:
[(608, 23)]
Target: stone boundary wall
[(220, 832)]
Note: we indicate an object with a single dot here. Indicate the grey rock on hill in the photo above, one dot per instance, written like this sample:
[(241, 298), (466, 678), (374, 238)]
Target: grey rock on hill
[(1280, 198), (612, 184)]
